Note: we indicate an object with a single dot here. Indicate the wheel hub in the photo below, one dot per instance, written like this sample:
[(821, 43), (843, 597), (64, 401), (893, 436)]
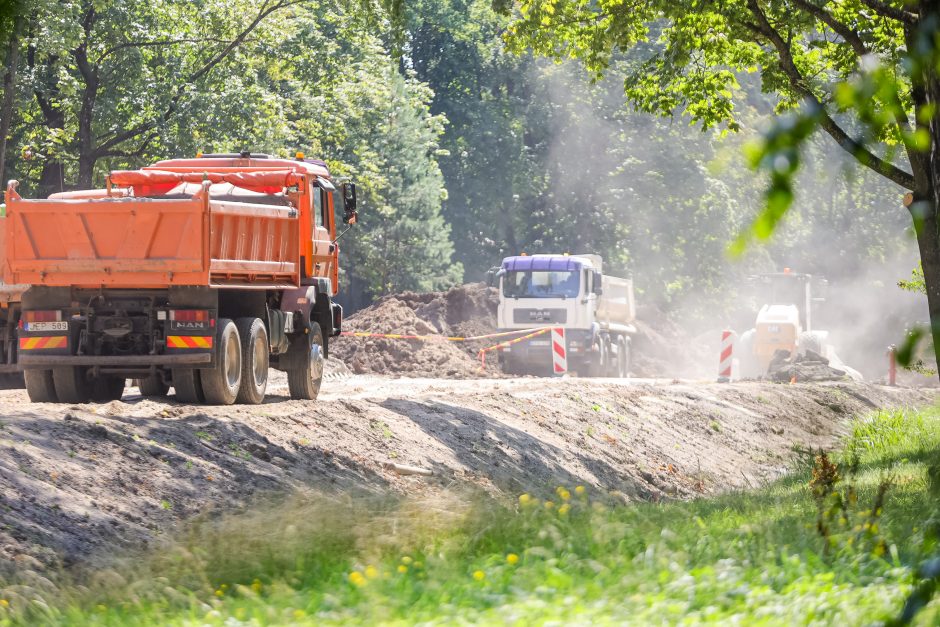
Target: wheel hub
[(316, 361)]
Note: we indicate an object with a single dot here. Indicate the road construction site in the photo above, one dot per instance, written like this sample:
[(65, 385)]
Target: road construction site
[(81, 481)]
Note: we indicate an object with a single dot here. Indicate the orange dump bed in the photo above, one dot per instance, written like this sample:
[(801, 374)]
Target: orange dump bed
[(110, 238)]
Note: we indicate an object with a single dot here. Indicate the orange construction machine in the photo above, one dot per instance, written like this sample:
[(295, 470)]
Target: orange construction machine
[(197, 274)]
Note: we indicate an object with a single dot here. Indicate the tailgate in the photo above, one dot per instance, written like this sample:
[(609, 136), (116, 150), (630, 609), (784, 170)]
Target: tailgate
[(107, 241)]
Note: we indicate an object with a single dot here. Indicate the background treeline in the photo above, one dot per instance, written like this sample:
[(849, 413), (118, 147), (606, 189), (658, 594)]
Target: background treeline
[(464, 152)]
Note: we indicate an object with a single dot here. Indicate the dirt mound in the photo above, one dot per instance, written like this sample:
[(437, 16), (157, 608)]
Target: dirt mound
[(468, 310), (80, 483)]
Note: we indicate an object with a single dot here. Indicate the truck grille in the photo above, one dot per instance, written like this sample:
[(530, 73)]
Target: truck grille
[(539, 316)]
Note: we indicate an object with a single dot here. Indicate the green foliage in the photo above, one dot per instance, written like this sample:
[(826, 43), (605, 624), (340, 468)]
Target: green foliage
[(125, 83), (569, 555)]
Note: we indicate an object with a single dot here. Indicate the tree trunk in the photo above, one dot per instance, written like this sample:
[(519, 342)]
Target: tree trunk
[(9, 93)]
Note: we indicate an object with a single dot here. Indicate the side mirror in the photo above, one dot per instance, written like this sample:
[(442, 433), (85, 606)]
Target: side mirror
[(598, 283), (349, 203), (490, 278)]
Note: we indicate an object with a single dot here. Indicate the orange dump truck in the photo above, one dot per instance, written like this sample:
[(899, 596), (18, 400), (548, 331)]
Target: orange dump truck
[(197, 274)]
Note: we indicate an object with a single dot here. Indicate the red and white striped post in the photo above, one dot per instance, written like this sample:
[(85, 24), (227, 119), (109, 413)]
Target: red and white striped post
[(726, 357), (559, 351)]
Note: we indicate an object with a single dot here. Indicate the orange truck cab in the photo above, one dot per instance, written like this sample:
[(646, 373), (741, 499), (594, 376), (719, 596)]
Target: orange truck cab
[(197, 274)]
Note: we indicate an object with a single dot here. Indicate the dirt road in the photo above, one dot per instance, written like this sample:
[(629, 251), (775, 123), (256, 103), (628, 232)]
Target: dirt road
[(80, 482)]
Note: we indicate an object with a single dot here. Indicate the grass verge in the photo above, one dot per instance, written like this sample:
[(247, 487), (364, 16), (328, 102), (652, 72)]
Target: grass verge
[(828, 544)]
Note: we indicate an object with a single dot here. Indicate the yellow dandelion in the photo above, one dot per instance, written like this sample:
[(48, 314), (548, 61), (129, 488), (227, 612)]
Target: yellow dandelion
[(479, 575), (406, 560), (580, 490), (220, 593), (402, 569), (256, 585), (372, 572), (298, 614), (4, 603), (524, 499), (224, 586), (356, 578), (564, 509), (512, 559), (549, 505)]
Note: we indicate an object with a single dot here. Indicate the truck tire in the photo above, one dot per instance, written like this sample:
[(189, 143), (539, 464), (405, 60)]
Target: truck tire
[(71, 385), (305, 356), (255, 360), (623, 357), (188, 386), (39, 386), (152, 386), (601, 363), (107, 388), (221, 384)]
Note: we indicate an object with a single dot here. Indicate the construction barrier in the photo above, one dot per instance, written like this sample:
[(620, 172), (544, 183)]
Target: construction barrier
[(484, 351), (725, 360), (432, 338), (559, 351)]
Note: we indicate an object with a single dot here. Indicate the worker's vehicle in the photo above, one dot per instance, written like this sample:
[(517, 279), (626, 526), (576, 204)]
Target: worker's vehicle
[(197, 274), (784, 322), (568, 291)]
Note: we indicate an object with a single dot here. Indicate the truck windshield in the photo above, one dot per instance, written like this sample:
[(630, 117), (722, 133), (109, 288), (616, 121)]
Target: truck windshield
[(541, 284)]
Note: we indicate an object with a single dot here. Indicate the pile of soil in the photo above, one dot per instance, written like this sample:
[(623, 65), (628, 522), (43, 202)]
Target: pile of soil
[(661, 347), (465, 311), (80, 484)]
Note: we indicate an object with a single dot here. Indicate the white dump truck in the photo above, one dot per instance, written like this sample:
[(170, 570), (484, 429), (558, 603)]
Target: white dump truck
[(571, 292)]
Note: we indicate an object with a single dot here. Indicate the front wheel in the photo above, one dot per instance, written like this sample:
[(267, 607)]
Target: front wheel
[(305, 356), (221, 384), (107, 388)]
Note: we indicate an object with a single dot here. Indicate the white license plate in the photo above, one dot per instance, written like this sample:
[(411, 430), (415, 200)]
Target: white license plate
[(46, 326)]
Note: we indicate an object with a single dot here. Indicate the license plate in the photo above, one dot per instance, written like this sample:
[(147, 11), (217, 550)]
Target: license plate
[(539, 342), (46, 326)]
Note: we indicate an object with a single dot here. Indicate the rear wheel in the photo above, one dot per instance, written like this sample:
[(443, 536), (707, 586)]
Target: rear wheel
[(305, 356), (255, 360), (153, 386), (601, 353), (71, 384), (222, 383), (107, 388), (40, 386), (188, 386), (623, 358)]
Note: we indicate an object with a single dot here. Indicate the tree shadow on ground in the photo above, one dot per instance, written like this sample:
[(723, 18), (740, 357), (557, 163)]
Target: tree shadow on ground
[(515, 461)]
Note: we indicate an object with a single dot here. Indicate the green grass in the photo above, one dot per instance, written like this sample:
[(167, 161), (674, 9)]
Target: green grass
[(752, 557)]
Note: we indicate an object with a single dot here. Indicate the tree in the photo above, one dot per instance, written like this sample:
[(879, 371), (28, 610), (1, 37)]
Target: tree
[(864, 71), (108, 80)]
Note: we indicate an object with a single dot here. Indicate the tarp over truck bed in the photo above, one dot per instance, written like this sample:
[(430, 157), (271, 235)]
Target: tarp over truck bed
[(120, 240)]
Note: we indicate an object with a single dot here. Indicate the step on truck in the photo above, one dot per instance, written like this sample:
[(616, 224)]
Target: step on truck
[(568, 291), (194, 274)]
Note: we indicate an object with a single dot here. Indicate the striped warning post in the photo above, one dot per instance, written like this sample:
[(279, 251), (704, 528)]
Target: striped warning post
[(725, 360), (559, 351)]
